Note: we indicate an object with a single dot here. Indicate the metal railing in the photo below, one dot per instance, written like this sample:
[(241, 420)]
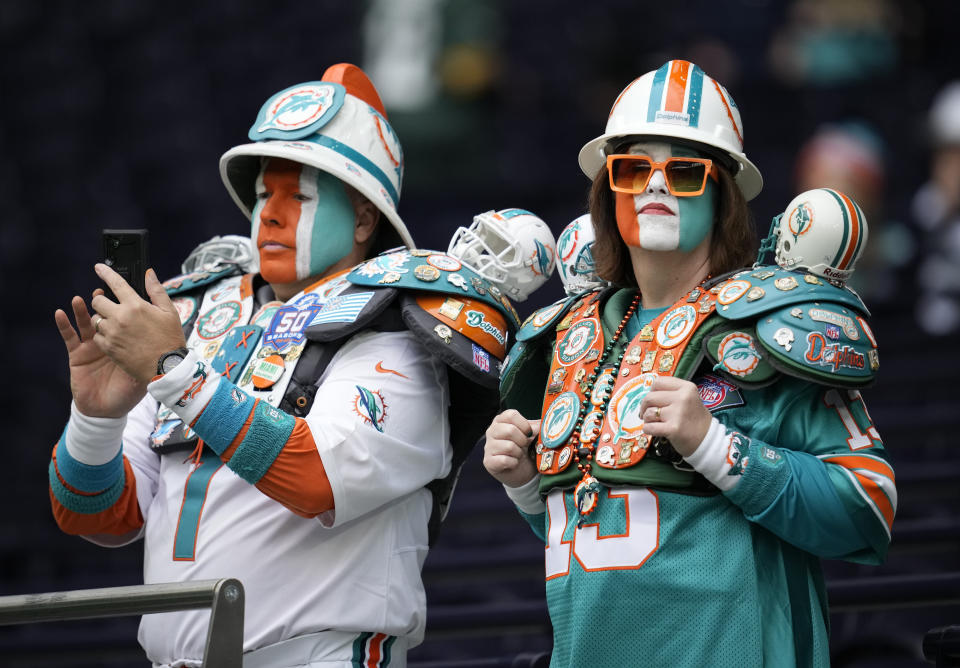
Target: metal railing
[(225, 598)]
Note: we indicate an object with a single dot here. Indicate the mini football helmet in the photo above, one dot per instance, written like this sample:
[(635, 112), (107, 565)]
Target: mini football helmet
[(821, 231), (511, 248), (575, 257), (219, 251)]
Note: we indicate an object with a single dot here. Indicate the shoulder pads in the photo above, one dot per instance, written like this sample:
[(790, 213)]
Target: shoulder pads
[(736, 354), (753, 292), (467, 334), (432, 271), (823, 342), (186, 282)]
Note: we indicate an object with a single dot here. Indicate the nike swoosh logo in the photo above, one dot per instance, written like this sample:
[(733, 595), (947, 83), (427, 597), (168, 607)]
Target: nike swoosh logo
[(383, 369)]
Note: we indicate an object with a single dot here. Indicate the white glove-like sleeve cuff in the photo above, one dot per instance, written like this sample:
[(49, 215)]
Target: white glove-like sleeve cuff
[(527, 496), (187, 388), (710, 458), (93, 440)]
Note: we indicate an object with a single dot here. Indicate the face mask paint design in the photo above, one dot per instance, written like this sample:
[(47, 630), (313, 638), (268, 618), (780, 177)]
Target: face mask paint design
[(303, 221), (657, 220)]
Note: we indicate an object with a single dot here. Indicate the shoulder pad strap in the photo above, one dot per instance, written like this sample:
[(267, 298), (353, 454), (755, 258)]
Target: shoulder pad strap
[(349, 311), (187, 282), (825, 342), (451, 339), (753, 292), (432, 271)]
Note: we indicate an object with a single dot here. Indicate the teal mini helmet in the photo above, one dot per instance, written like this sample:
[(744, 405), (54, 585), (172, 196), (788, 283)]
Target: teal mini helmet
[(338, 125)]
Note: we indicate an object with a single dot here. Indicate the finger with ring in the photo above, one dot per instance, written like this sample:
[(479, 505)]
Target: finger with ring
[(96, 325), (656, 413)]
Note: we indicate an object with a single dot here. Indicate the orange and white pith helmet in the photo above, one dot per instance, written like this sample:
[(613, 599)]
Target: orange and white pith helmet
[(678, 101), (338, 125)]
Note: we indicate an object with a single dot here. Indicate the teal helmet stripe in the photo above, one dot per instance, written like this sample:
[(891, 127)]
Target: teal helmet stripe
[(695, 88), (358, 158), (863, 227), (656, 91), (846, 228)]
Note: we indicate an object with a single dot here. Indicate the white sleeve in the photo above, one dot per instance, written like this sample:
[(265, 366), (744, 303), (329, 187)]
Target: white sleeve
[(379, 420)]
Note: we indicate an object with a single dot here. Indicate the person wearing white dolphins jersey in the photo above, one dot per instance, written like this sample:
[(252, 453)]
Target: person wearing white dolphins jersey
[(319, 508), (696, 441)]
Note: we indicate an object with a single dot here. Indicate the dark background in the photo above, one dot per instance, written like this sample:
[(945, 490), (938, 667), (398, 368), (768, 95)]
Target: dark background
[(114, 115)]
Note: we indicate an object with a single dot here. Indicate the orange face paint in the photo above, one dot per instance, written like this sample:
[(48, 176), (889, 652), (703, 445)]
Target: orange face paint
[(278, 220), (627, 219)]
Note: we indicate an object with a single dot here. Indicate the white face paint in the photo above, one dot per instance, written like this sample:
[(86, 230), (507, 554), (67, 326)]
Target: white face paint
[(657, 211)]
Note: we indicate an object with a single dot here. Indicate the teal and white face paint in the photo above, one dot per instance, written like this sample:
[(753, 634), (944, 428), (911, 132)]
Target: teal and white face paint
[(661, 221), (303, 221)]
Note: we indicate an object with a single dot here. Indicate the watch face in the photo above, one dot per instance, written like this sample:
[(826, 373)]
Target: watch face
[(170, 362)]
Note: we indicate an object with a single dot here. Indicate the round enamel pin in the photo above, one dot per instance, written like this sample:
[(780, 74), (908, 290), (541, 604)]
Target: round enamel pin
[(737, 354), (733, 291), (267, 371), (577, 341), (425, 272), (559, 419), (218, 320), (676, 326), (444, 262)]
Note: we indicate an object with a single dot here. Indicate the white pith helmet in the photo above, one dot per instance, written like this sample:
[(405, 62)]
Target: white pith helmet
[(338, 125), (575, 256), (677, 101), (822, 231), (512, 248)]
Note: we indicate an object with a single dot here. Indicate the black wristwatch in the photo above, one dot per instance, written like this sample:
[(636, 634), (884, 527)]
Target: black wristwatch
[(170, 359)]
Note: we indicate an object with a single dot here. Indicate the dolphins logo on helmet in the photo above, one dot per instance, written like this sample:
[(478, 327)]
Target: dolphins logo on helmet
[(337, 125), (575, 257), (822, 231), (511, 248)]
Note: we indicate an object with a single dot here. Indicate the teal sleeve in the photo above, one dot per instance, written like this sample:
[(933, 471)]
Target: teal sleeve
[(537, 522), (825, 486)]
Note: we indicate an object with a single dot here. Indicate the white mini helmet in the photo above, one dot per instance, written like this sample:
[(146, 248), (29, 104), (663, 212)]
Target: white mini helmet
[(821, 231), (677, 101), (575, 256), (220, 251), (339, 126), (511, 248)]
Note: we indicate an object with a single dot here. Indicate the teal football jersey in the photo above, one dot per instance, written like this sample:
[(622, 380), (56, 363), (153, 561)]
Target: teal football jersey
[(659, 578)]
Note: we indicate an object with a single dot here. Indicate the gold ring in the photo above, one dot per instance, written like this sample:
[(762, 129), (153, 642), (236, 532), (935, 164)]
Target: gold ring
[(656, 414), (96, 326)]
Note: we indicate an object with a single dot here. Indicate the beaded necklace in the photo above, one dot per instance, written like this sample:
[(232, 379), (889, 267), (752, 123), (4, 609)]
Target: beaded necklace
[(586, 491)]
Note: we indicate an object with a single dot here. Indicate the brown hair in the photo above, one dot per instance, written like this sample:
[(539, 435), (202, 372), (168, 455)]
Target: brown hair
[(734, 242)]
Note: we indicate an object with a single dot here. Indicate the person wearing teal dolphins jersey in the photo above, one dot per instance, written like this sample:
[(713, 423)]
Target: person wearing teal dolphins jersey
[(687, 497)]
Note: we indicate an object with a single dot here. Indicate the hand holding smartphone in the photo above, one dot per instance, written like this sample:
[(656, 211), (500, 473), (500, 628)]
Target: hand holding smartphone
[(125, 251)]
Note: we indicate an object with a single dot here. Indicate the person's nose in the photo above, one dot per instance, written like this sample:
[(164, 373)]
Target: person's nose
[(658, 183), (272, 214)]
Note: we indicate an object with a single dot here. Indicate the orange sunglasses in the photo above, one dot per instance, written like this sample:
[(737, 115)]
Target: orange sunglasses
[(685, 177)]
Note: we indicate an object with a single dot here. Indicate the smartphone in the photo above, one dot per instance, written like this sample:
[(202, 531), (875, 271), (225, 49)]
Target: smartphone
[(125, 251)]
